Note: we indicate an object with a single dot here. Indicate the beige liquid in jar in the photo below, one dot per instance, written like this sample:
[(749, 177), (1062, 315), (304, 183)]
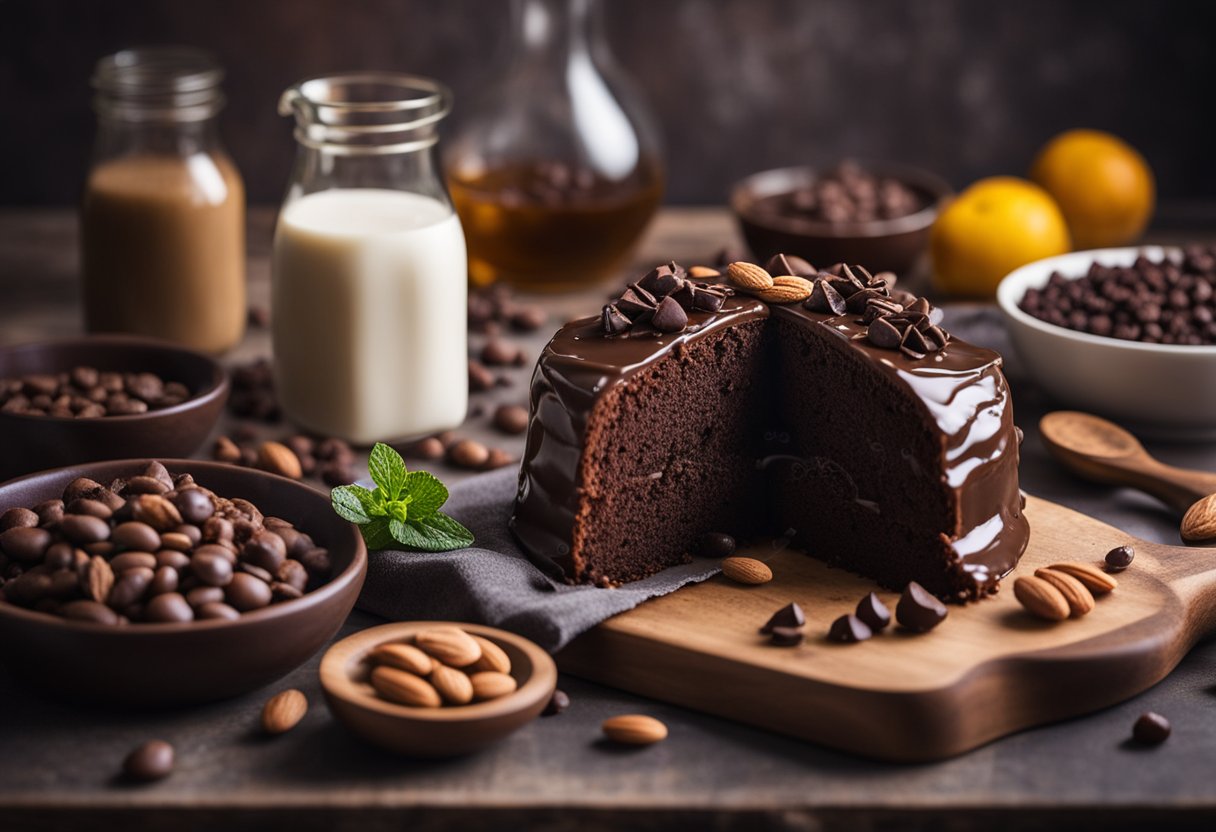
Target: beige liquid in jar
[(163, 242), (370, 314)]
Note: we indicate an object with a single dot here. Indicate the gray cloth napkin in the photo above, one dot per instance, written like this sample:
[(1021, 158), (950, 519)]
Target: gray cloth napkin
[(494, 582)]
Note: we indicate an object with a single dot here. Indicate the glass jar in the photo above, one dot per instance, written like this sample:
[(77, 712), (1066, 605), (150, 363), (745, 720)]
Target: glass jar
[(369, 290), (557, 170), (163, 214)]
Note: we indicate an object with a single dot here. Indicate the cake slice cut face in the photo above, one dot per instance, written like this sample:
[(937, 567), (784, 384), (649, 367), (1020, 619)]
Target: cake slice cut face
[(891, 455)]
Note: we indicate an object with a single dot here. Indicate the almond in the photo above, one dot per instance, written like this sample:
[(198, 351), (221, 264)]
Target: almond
[(283, 711), (405, 688), (1041, 598), (787, 289), (453, 685), (491, 685), (1095, 580), (1080, 600), (749, 276), (493, 657), (277, 458), (634, 729), (451, 645), (403, 657), (1199, 522), (703, 272), (746, 570)]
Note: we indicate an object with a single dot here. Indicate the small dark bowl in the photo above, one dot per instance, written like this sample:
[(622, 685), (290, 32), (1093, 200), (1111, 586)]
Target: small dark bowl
[(895, 245), (159, 665), (35, 443)]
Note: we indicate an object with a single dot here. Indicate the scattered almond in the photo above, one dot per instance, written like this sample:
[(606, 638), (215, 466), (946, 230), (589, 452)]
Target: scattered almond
[(453, 685), (1199, 522), (451, 645), (405, 688), (1095, 580), (1080, 600), (493, 657), (749, 276), (403, 657), (277, 458), (634, 729), (283, 711), (746, 570), (703, 272), (490, 685), (1041, 598)]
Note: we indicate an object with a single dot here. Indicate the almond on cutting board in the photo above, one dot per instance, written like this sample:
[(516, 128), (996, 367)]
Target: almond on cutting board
[(283, 711), (746, 570), (1080, 600), (1095, 580), (1041, 598)]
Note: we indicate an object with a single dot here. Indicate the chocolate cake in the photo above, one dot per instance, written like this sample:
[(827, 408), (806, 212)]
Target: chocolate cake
[(846, 422)]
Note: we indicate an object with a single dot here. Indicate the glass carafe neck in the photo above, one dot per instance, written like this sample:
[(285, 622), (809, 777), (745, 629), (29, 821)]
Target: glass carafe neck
[(550, 31)]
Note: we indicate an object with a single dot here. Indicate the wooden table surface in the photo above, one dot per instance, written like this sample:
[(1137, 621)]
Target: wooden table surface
[(57, 762)]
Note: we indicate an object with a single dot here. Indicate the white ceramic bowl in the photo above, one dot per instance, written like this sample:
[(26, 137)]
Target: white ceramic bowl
[(1159, 389)]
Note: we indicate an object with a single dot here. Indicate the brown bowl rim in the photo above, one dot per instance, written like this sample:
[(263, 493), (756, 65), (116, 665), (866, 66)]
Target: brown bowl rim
[(217, 388), (744, 191), (341, 657), (308, 601)]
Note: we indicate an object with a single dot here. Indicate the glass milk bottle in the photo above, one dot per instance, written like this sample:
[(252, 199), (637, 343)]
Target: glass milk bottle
[(369, 277)]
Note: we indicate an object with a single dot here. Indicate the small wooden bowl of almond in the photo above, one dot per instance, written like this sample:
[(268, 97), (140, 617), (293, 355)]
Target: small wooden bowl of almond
[(436, 688)]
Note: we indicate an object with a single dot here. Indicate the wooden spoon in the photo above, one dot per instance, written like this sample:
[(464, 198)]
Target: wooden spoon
[(1101, 451)]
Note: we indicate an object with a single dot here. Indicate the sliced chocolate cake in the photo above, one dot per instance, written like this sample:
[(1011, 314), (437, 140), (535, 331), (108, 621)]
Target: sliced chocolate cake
[(834, 411)]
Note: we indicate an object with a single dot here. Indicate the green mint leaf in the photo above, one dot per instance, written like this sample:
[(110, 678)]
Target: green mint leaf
[(426, 493), (377, 534), (388, 471), (350, 504), (436, 533)]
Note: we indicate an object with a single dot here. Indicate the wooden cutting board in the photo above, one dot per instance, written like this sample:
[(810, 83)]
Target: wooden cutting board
[(988, 670)]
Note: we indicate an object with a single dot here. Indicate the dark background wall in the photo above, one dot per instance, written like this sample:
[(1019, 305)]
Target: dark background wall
[(965, 87)]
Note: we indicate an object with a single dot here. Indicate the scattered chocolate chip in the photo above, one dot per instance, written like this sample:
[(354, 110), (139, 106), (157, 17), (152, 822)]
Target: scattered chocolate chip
[(338, 472), (849, 629), (669, 317), (789, 264), (873, 612), (1151, 729), (1119, 558), (883, 334), (480, 378), (791, 615), (918, 610), (787, 636), (824, 298), (511, 418), (499, 353), (715, 545), (613, 321), (558, 702)]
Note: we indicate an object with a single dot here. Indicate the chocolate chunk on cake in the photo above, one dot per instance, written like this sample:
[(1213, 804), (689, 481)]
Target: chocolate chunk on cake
[(833, 410)]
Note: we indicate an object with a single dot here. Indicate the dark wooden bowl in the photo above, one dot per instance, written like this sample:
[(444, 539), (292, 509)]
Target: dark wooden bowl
[(895, 245), (36, 443), (433, 732), (158, 665)]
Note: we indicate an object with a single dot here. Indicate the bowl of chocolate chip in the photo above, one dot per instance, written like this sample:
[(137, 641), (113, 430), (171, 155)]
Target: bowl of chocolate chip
[(142, 583), (877, 213), (104, 397), (1129, 333)]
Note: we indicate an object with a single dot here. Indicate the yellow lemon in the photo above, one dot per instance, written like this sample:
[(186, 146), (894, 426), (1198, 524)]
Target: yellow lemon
[(1102, 184), (989, 230)]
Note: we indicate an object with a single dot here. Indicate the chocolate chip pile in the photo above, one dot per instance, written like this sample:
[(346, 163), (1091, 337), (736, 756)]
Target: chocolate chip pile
[(88, 393), (659, 303), (847, 194), (152, 548), (1167, 301), (896, 320)]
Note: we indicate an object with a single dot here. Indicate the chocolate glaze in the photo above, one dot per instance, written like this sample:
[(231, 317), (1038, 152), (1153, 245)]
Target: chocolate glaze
[(960, 388)]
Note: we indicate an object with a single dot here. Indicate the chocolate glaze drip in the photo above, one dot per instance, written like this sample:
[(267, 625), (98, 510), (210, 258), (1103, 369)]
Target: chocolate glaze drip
[(960, 388)]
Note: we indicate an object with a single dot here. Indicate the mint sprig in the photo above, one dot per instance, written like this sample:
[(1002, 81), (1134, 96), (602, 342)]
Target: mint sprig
[(403, 508)]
